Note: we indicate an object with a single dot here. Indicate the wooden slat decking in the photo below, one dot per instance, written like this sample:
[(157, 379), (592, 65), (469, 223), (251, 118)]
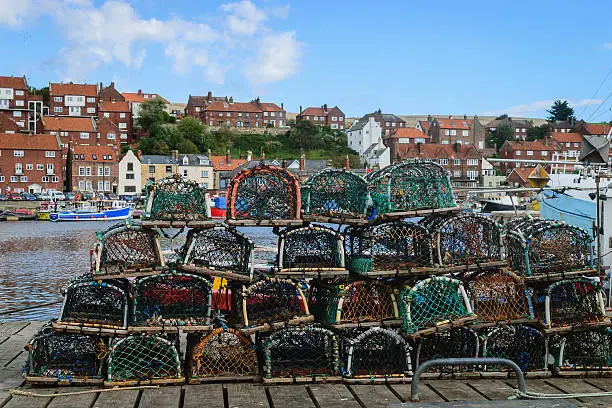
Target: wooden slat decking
[(480, 392)]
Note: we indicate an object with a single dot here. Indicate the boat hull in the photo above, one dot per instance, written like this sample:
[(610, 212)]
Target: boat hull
[(108, 215)]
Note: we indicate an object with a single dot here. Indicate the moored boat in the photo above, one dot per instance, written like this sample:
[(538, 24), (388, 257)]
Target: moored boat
[(218, 207), (85, 211), (18, 214)]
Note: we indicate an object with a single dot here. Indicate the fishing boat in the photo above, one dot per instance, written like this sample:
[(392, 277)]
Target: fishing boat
[(85, 211), (500, 203), (18, 214), (46, 208), (218, 207)]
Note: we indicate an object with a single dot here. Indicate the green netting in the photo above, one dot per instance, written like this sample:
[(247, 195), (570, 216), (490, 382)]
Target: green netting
[(411, 185), (433, 301), (176, 199), (335, 192)]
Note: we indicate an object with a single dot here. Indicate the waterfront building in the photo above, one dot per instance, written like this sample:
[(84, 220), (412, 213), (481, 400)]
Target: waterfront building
[(30, 162), (90, 168), (520, 127), (130, 175), (70, 129), (110, 94), (14, 104), (196, 104), (155, 167), (73, 99), (387, 121), (399, 139), (323, 116), (119, 113), (223, 167), (453, 130), (526, 150), (198, 168)]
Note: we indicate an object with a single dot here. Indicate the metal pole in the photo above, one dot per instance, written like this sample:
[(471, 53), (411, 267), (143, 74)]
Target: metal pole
[(414, 388), (597, 215)]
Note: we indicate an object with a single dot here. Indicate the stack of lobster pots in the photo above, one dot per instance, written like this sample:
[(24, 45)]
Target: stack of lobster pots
[(372, 277)]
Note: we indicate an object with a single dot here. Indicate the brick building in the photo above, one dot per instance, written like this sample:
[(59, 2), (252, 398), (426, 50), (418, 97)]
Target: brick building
[(31, 163), (332, 117), (519, 127), (110, 94), (135, 99), (387, 121), (196, 104), (75, 130), (73, 99), (593, 129), (223, 167), (402, 138), (524, 150), (119, 113), (93, 168), (244, 114), (108, 133), (458, 130), (14, 104)]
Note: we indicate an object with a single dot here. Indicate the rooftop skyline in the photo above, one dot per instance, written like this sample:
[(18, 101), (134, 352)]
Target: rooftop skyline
[(405, 58)]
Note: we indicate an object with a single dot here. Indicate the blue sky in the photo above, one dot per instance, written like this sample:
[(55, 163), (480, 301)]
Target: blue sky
[(406, 57)]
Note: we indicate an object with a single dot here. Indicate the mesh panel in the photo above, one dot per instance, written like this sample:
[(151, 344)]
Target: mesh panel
[(411, 185), (96, 302), (224, 352), (388, 246), (66, 355), (522, 344), (311, 247), (269, 301), (172, 299), (264, 192), (176, 199), (125, 246), (583, 350), (456, 343), (499, 296), (380, 352), (463, 238), (574, 301), (301, 352), (143, 358), (220, 248), (431, 302), (335, 192)]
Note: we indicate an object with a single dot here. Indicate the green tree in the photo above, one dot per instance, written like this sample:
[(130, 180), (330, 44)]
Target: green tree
[(537, 132), (502, 117), (560, 110), (151, 145), (151, 115), (187, 147), (42, 91), (500, 135), (193, 130)]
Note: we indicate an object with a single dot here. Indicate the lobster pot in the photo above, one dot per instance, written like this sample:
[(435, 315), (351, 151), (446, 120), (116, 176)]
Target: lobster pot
[(574, 302), (585, 350), (126, 247), (433, 302), (144, 359), (411, 185), (220, 248), (177, 299), (65, 357), (221, 354), (378, 352), (96, 303), (499, 295), (389, 246), (310, 248), (301, 352), (538, 247), (336, 193), (463, 238), (176, 199), (345, 302), (455, 343), (264, 193), (524, 345), (271, 301)]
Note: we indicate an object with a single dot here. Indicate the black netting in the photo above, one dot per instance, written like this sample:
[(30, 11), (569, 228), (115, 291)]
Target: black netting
[(312, 247), (96, 302), (582, 350), (574, 301), (456, 343), (378, 352), (524, 345), (335, 192)]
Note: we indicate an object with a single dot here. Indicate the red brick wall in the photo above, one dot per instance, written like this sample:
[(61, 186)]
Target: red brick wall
[(66, 110), (213, 118), (116, 118), (34, 176), (94, 178)]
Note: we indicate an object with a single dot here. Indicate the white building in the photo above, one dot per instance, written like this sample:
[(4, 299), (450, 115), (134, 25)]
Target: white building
[(198, 168), (365, 137), (129, 175)]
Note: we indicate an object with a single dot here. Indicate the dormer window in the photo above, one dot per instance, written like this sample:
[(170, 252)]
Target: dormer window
[(185, 160)]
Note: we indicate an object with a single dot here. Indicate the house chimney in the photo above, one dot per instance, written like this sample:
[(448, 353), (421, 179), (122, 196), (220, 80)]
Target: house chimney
[(112, 85), (209, 152), (139, 154), (419, 148), (450, 116), (249, 155), (429, 118), (228, 157), (347, 163), (140, 92), (284, 164), (231, 100), (282, 106), (464, 116), (300, 109), (324, 107), (209, 95), (302, 162)]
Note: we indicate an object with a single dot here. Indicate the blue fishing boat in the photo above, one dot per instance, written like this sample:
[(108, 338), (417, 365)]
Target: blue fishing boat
[(84, 211)]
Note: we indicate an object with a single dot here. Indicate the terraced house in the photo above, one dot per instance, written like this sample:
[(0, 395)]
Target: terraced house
[(93, 168), (14, 104), (453, 130), (73, 99), (322, 116), (254, 114)]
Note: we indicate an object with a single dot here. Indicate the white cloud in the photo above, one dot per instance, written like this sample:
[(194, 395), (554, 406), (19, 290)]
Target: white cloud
[(607, 46), (539, 107), (113, 32), (277, 58)]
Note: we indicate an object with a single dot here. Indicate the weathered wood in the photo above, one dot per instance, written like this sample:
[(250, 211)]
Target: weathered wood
[(560, 275), (178, 224), (296, 321), (442, 327), (206, 395), (198, 270), (302, 380), (374, 395), (425, 393), (165, 397), (570, 386), (65, 327), (264, 223), (19, 401), (118, 399), (15, 344), (455, 390), (487, 404), (135, 383), (492, 389), (243, 378), (290, 396), (604, 384), (333, 396), (73, 401), (244, 395), (578, 326)]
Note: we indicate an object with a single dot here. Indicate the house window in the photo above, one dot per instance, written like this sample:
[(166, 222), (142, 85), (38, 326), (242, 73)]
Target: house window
[(84, 135), (446, 132), (88, 171), (19, 102), (45, 179), (123, 126), (456, 173), (227, 114), (204, 173), (110, 136), (472, 174), (151, 169), (334, 118), (517, 130), (29, 166), (130, 189), (14, 179), (63, 134), (81, 171), (122, 115), (106, 114), (124, 136), (129, 176), (54, 179), (49, 153), (453, 132), (91, 110), (392, 124), (266, 114), (40, 167), (443, 161), (106, 170), (18, 153), (457, 162), (50, 168), (464, 133), (197, 109), (518, 152), (18, 168), (130, 166), (4, 103), (19, 92), (387, 123), (472, 162), (57, 99), (1, 179), (445, 142), (57, 109), (274, 114), (168, 169), (544, 153), (100, 171), (74, 110), (523, 130), (529, 152)]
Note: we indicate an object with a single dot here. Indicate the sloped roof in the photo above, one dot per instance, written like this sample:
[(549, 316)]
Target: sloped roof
[(13, 82), (73, 89), (220, 164), (319, 111), (23, 141), (567, 137), (156, 159), (112, 106), (530, 145), (68, 123), (425, 125), (522, 172), (99, 151), (268, 106), (411, 133), (598, 128), (194, 160), (140, 96), (435, 151), (461, 123), (233, 107)]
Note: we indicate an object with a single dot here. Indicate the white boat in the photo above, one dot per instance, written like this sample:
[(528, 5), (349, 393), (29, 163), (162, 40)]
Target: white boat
[(86, 211)]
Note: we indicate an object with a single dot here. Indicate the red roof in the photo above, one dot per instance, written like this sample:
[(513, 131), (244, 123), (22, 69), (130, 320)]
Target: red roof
[(140, 96), (73, 89), (98, 151), (314, 112), (232, 107), (412, 133), (454, 123), (425, 125), (112, 106), (436, 151), (22, 141), (13, 82), (567, 137), (534, 145), (36, 97), (68, 124), (522, 172), (597, 128), (269, 107), (220, 164)]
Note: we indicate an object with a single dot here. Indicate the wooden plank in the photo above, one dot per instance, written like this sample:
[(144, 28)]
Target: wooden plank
[(290, 396), (163, 397), (15, 344), (425, 393), (244, 395), (601, 383), (74, 401), (455, 390), (205, 395), (571, 386), (333, 395), (374, 395), (10, 328), (117, 399), (542, 386), (18, 401), (492, 389)]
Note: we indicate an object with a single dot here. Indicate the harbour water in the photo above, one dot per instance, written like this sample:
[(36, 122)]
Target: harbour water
[(37, 259)]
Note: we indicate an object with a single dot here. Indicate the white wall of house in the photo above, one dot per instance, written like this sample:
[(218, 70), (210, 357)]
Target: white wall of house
[(380, 157), (130, 177), (200, 173), (361, 139)]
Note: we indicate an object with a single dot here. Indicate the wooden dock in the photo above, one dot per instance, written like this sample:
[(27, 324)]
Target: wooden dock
[(433, 393)]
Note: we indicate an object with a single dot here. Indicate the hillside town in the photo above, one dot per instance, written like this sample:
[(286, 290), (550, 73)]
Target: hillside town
[(86, 137)]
